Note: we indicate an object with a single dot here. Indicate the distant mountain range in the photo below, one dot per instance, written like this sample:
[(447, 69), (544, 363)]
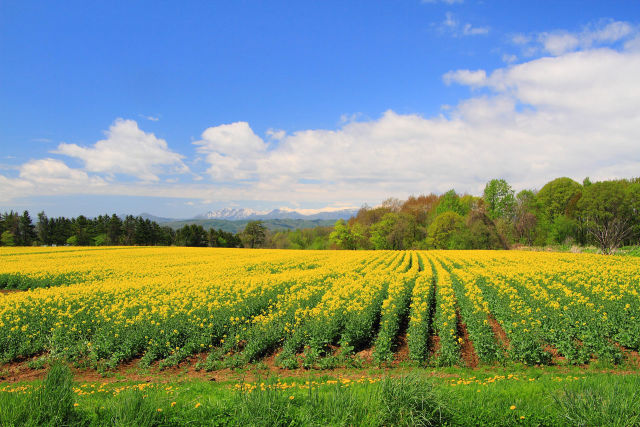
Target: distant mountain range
[(235, 219), (236, 214)]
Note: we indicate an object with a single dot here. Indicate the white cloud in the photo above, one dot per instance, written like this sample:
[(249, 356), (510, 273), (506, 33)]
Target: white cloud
[(633, 44), (53, 172), (559, 43), (466, 77), (469, 30), (231, 150), (450, 21), (48, 176), (276, 134), (604, 32), (520, 39), (509, 58), (127, 150), (150, 118), (452, 26), (575, 114)]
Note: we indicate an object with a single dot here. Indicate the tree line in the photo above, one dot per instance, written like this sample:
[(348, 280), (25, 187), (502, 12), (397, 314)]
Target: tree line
[(605, 214), (105, 230)]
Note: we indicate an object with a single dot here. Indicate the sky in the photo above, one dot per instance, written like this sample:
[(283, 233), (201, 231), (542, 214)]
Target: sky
[(178, 108)]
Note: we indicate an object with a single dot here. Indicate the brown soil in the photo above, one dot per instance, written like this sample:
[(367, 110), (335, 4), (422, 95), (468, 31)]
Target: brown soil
[(186, 371), (9, 291), (366, 355), (434, 346), (19, 371), (556, 358), (466, 348), (632, 356), (402, 352), (500, 334)]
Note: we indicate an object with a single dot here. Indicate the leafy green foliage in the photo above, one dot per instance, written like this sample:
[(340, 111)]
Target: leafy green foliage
[(444, 229), (500, 199), (559, 197), (254, 234)]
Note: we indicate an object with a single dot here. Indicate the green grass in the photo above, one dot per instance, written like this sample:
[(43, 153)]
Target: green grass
[(494, 396)]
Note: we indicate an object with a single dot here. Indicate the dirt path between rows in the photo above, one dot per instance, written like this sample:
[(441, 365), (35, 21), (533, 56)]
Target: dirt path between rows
[(467, 350), (500, 334), (9, 291)]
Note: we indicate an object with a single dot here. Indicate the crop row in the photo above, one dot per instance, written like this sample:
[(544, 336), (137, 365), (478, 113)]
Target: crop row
[(317, 308)]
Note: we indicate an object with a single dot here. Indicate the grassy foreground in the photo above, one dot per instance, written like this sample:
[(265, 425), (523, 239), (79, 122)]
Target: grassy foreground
[(529, 396)]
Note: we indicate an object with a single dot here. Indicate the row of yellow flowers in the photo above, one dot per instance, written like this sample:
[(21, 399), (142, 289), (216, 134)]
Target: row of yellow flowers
[(114, 304)]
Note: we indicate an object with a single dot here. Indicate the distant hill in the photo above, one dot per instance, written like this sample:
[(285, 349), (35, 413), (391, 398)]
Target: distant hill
[(158, 219), (238, 225)]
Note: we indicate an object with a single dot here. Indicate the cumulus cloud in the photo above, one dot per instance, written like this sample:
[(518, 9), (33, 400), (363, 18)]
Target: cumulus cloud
[(128, 150), (52, 172), (231, 150), (574, 114), (48, 176)]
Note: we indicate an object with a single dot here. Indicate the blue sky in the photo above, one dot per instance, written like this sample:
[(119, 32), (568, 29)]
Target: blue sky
[(177, 108)]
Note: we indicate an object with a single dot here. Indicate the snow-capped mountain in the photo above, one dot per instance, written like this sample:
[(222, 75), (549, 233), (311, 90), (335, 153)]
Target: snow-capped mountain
[(235, 214), (232, 214)]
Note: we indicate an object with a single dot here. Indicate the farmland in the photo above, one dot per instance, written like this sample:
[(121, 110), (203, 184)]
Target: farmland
[(318, 309), (318, 337)]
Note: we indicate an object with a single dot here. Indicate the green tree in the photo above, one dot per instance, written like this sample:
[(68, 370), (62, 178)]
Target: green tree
[(100, 240), (443, 230), (607, 211), (381, 230), (192, 235), (7, 238), (254, 234), (633, 194), (81, 231), (526, 219), (114, 230), (342, 236), (27, 230), (559, 197), (482, 233), (500, 199), (450, 202), (396, 231), (43, 229), (564, 229)]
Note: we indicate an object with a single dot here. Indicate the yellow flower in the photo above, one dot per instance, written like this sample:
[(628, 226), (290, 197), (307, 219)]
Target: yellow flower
[(198, 405), (512, 407), (291, 397)]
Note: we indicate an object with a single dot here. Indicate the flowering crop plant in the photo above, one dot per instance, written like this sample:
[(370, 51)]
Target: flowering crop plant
[(316, 308)]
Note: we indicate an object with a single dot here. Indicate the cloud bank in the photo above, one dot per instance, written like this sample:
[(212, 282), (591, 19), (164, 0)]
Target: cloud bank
[(127, 150), (573, 113)]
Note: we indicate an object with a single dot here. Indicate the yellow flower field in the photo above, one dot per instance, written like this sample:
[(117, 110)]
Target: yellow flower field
[(316, 308)]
